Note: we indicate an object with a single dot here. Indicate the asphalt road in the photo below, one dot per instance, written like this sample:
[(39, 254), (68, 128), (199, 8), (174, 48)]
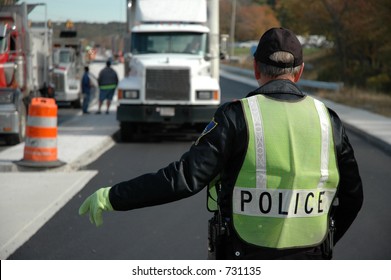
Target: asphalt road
[(369, 236), (179, 230)]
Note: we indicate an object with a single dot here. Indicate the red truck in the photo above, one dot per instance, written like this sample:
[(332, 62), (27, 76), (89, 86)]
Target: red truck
[(25, 63)]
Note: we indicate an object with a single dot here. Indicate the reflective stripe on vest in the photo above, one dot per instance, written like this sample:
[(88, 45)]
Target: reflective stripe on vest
[(107, 87), (289, 177)]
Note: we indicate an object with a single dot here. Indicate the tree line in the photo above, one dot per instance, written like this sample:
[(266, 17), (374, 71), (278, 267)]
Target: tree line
[(359, 30)]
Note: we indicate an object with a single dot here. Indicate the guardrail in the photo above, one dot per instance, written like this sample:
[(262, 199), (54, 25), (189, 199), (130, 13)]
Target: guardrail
[(320, 85), (308, 84)]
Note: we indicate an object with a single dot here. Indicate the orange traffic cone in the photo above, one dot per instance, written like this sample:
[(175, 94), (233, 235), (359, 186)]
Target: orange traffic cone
[(41, 135)]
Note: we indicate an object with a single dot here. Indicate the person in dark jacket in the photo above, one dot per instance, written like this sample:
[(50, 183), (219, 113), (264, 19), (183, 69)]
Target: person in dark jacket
[(108, 81), (282, 178), (86, 87)]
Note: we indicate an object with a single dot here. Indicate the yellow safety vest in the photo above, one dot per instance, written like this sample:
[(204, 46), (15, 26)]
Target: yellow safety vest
[(289, 177)]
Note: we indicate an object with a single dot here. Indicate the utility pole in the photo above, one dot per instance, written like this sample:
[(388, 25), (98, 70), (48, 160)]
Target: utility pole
[(128, 17), (232, 28), (214, 37)]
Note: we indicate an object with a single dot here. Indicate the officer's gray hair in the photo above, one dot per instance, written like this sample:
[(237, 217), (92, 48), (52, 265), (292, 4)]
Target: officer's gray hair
[(273, 71)]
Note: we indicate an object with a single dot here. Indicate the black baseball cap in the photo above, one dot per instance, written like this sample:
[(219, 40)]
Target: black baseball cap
[(275, 40)]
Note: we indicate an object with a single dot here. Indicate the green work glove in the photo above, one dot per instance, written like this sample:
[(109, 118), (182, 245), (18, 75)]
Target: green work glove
[(95, 204)]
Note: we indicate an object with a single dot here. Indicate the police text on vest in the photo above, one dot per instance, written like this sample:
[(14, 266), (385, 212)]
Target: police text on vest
[(284, 203)]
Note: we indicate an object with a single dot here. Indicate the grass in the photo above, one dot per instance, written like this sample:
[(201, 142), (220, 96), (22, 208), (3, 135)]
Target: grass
[(371, 101)]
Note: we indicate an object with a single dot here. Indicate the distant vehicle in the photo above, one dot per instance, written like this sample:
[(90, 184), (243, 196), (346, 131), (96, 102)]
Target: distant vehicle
[(171, 64), (247, 44), (25, 63), (314, 41)]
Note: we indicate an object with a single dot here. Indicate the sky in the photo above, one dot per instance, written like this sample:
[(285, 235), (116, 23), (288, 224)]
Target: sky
[(79, 10)]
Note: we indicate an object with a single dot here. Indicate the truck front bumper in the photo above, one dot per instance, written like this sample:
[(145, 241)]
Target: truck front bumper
[(66, 96), (9, 119), (166, 114)]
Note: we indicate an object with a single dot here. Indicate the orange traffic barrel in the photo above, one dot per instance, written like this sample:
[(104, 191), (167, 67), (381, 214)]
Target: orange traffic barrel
[(41, 134)]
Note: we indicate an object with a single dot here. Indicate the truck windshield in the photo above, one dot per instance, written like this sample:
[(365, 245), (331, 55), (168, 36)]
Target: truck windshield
[(180, 42), (65, 57)]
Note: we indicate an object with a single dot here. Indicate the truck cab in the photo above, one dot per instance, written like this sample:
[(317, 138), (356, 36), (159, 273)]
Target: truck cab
[(68, 64), (66, 78), (169, 81)]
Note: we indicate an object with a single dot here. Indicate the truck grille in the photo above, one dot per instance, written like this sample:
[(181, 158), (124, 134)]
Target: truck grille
[(173, 84), (58, 81)]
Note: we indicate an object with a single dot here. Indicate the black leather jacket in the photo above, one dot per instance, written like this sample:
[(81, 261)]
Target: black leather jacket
[(222, 151), (107, 76)]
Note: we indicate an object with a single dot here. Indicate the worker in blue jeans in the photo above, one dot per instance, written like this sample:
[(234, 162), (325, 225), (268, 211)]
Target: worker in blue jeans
[(86, 87)]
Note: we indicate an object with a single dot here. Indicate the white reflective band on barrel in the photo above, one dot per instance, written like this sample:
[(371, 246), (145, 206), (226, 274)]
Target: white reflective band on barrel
[(42, 121), (259, 143), (41, 142), (325, 136)]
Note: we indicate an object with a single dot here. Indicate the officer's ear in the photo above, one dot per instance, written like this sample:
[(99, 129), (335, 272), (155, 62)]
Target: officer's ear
[(298, 74), (257, 73)]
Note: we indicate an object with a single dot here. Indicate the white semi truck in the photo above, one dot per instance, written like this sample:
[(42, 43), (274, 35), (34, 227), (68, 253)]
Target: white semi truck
[(67, 72), (67, 76), (172, 63)]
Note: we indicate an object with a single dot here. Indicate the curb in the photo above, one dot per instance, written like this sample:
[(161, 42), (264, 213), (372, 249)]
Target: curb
[(379, 143), (78, 163)]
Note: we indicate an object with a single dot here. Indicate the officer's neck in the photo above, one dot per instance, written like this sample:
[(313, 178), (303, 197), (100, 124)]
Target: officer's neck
[(265, 79)]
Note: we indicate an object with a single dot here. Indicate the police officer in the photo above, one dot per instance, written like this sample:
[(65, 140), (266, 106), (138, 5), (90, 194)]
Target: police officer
[(282, 178)]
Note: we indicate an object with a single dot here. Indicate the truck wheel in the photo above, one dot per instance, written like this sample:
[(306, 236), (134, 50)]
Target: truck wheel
[(19, 137), (128, 131)]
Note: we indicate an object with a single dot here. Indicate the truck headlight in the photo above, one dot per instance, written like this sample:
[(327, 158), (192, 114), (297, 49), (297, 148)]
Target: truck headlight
[(207, 95), (6, 97), (130, 94), (204, 95)]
